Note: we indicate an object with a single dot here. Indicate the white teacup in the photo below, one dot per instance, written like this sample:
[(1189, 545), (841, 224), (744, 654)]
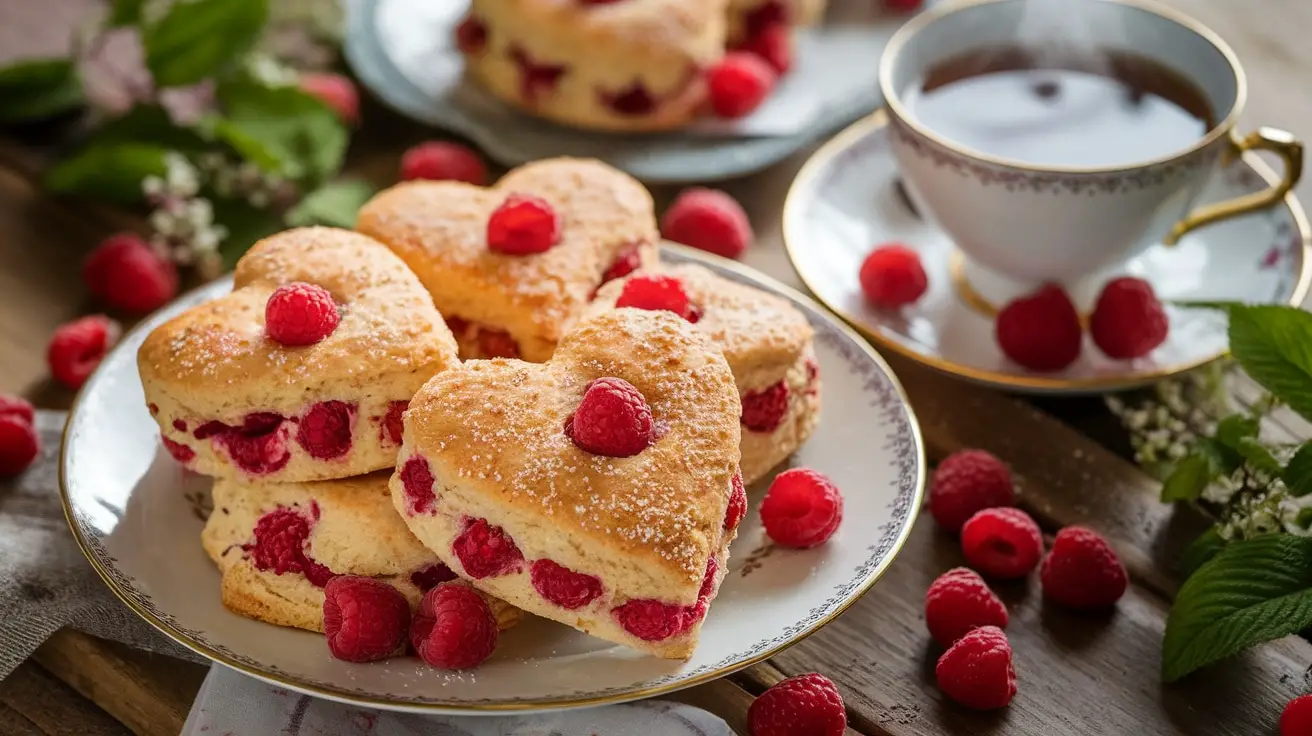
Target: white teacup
[(1021, 224)]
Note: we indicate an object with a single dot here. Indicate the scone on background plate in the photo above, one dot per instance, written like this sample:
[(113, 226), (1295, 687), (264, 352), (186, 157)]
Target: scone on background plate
[(277, 544), (627, 540), (232, 402), (518, 305), (768, 344)]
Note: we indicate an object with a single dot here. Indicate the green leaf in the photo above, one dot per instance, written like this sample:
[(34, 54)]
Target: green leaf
[(1251, 592), (38, 89), (1298, 473), (1188, 479), (1274, 346), (125, 13), (1199, 551), (1234, 428), (202, 38), (1223, 459), (112, 172), (246, 225), (282, 129), (149, 124), (335, 204), (1258, 456)]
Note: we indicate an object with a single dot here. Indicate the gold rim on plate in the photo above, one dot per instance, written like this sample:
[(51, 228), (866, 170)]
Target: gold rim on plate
[(344, 696)]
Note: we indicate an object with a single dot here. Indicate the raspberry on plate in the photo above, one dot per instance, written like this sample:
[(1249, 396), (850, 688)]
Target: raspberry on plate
[(805, 704), (958, 601), (1082, 571), (19, 445), (965, 483), (613, 419), (709, 220), (802, 508), (454, 628), (364, 619), (1041, 331), (656, 292), (300, 314), (1128, 321), (976, 671), (1002, 543), (335, 91), (523, 225), (441, 161), (17, 406), (126, 274), (1296, 719), (739, 84), (892, 276), (78, 347)]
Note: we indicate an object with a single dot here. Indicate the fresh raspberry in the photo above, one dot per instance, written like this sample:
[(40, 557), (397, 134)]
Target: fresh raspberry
[(805, 704), (563, 586), (335, 91), (1040, 331), (126, 274), (522, 225), (764, 410), (903, 6), (613, 419), (394, 422), (471, 37), (78, 347), (282, 538), (655, 292), (967, 482), (427, 578), (1002, 543), (417, 480), (364, 619), (774, 45), (802, 508), (18, 407), (652, 620), (496, 344), (1128, 321), (443, 161), (1082, 571), (976, 671), (1296, 720), (739, 84), (454, 628), (892, 276), (958, 601), (19, 445), (256, 447), (733, 516), (709, 220), (325, 430), (300, 314), (179, 451), (486, 551), (627, 260)]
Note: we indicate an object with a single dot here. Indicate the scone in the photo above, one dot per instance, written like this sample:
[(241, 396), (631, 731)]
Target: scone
[(748, 18), (517, 305), (629, 545), (277, 544), (636, 65), (231, 402), (768, 344)]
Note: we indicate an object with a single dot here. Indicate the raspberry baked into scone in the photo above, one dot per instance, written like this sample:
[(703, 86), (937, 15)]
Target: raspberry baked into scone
[(238, 392), (626, 65), (599, 490), (278, 544), (750, 18), (767, 341), (513, 266)]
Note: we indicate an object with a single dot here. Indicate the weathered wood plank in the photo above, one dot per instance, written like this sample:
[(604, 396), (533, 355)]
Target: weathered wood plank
[(34, 703)]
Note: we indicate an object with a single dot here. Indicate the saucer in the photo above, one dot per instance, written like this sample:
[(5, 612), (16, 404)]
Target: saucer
[(847, 199)]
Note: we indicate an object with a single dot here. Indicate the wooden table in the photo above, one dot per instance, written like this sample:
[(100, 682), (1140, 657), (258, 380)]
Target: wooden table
[(1078, 674)]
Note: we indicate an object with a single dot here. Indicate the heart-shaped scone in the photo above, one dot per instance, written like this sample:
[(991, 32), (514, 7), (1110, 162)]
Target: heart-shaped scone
[(766, 340), (517, 304), (277, 544), (234, 402), (627, 539)]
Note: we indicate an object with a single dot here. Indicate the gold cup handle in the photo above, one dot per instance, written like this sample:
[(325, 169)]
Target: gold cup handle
[(1279, 142)]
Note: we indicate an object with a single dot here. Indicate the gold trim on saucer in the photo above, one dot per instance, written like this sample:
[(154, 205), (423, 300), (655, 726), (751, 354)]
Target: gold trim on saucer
[(875, 123)]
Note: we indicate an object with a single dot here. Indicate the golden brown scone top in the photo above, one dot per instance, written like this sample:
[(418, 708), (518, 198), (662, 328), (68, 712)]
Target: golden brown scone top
[(635, 24)]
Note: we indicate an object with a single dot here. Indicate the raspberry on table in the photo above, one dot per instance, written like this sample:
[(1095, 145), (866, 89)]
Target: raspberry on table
[(523, 225), (335, 91), (802, 508), (17, 406), (364, 619), (652, 620), (1128, 320), (656, 292), (958, 601), (443, 161), (965, 483), (19, 445), (709, 220), (764, 410), (1082, 571), (774, 44), (739, 84), (563, 586), (126, 274), (417, 480), (1296, 719), (325, 430), (486, 551), (1041, 331), (977, 671), (804, 704), (454, 628), (1002, 543), (300, 314), (737, 508), (78, 347), (612, 420), (892, 276)]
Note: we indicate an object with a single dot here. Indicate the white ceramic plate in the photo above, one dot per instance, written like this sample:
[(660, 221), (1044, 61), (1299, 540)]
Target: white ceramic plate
[(845, 201), (138, 516)]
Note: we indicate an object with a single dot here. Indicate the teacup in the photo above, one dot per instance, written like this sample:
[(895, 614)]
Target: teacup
[(1020, 224)]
